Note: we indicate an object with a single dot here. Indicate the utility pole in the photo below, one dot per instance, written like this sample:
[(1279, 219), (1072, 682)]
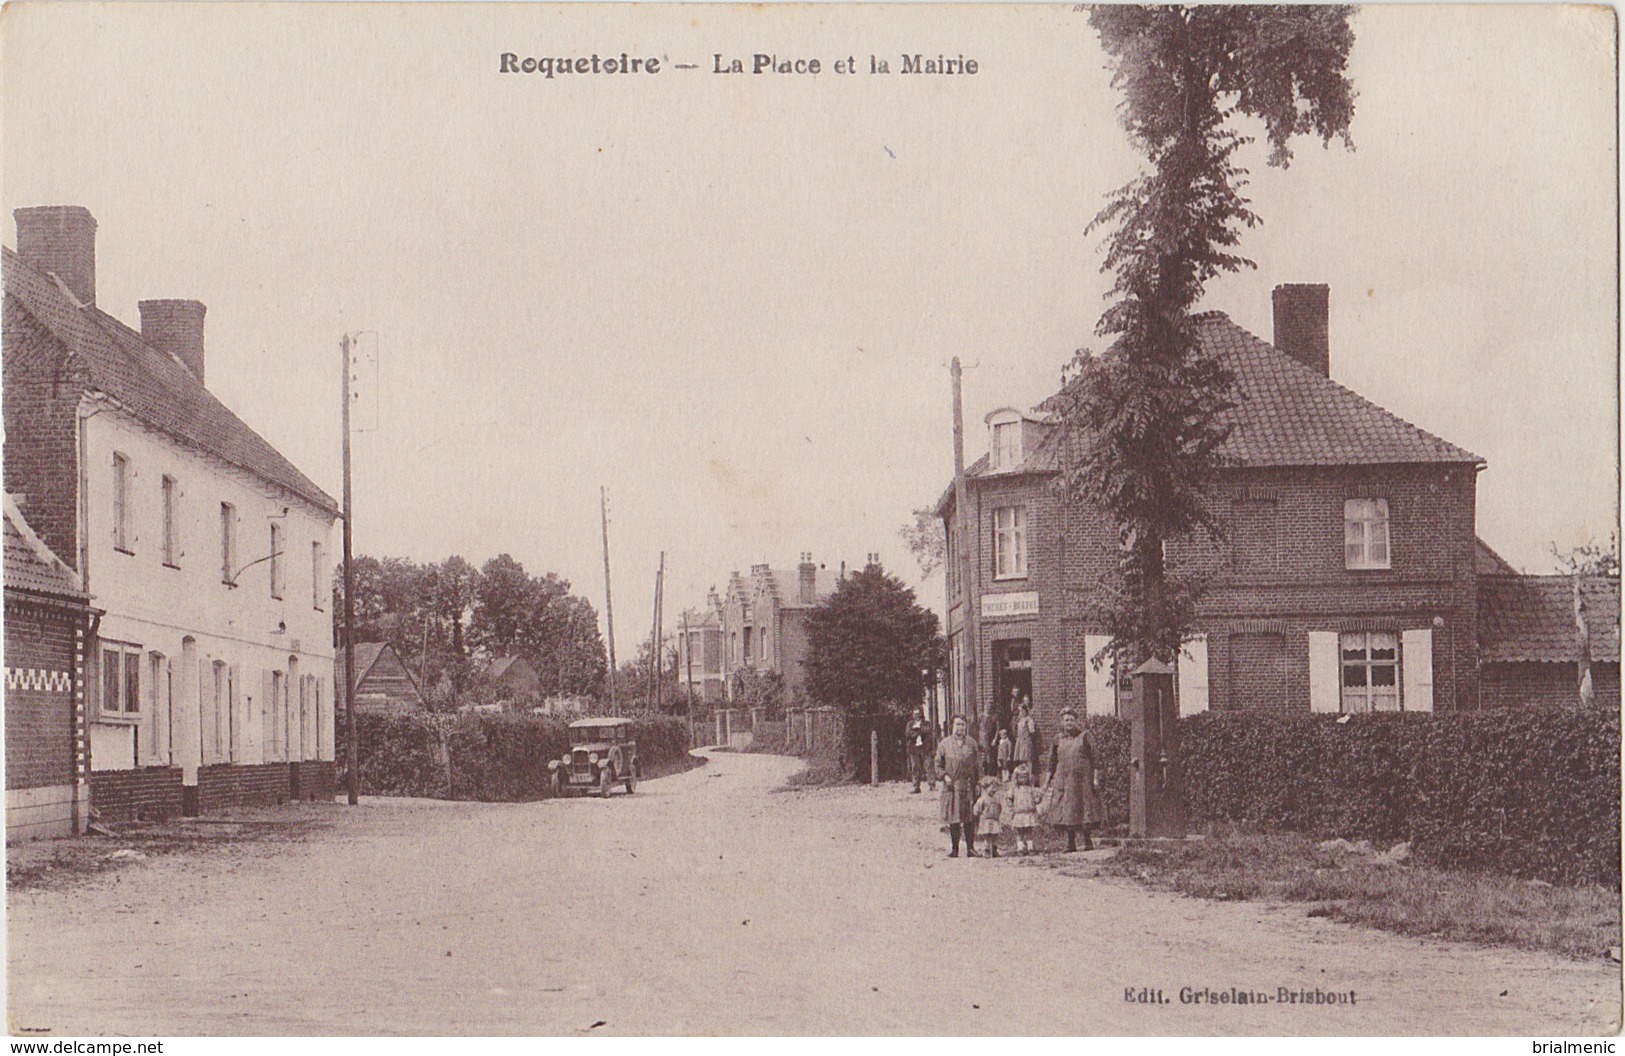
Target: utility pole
[(352, 756), (688, 672), (654, 637), (967, 563), (609, 605)]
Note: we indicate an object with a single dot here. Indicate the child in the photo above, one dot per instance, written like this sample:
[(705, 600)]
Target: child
[(1005, 753), (1022, 806), (988, 807)]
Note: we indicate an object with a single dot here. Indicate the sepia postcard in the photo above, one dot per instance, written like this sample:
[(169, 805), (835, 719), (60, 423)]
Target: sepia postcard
[(811, 520)]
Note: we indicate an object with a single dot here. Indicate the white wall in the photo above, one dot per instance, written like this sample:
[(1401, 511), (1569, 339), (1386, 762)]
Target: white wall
[(188, 611)]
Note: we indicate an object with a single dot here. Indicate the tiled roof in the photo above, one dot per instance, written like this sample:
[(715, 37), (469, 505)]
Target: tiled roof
[(1288, 414), (366, 654), (788, 584), (1531, 618), (150, 384), (30, 565), (1491, 563)]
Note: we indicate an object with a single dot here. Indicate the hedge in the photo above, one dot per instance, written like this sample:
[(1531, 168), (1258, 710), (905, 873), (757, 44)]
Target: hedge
[(490, 758), (1530, 792)]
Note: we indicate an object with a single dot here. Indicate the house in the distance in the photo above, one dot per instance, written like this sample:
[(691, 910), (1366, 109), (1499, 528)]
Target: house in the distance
[(48, 627), (1530, 638), (382, 681), (513, 679), (210, 682), (699, 652), (764, 621)]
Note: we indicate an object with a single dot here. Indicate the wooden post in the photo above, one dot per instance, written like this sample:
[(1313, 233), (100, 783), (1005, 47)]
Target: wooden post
[(1156, 793), (967, 562), (352, 756), (609, 604), (874, 757)]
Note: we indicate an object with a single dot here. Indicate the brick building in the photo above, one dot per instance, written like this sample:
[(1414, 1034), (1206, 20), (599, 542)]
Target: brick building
[(210, 681), (1347, 581), (382, 680), (48, 626), (763, 618), (699, 652)]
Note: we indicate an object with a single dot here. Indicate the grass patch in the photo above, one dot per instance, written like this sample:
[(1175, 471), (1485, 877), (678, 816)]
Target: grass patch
[(1354, 886), (820, 772)]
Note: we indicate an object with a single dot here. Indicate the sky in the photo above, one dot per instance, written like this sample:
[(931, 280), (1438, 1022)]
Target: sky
[(731, 299)]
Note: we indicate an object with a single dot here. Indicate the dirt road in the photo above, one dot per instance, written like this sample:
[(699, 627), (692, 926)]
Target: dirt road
[(704, 904)]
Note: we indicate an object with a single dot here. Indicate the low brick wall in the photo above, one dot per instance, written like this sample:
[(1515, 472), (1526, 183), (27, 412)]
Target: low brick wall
[(227, 785), (315, 779), (144, 794)]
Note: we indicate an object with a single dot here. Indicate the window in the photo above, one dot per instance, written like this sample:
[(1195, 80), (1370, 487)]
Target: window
[(276, 560), (171, 550), (222, 713), (748, 654), (317, 576), (121, 503), (1370, 671), (279, 716), (950, 551), (1009, 542), (1365, 533), (121, 679), (764, 643), (228, 544), (1006, 445)]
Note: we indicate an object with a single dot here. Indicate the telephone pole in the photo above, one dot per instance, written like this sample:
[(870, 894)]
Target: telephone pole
[(609, 605), (351, 755), (654, 637), (968, 565)]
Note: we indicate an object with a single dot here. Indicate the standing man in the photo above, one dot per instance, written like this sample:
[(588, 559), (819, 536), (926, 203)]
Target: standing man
[(959, 760), (917, 739), (989, 734)]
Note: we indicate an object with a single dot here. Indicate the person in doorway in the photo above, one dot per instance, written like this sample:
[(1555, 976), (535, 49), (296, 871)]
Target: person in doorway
[(1005, 750), (959, 765), (1026, 735), (917, 739), (1073, 782)]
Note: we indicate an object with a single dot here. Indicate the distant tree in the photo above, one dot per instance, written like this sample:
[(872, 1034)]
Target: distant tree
[(502, 603), (870, 650), (1144, 421), (926, 540)]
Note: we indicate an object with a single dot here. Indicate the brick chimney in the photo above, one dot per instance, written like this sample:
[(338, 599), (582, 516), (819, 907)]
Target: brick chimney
[(175, 327), (1301, 324), (809, 580), (61, 240)]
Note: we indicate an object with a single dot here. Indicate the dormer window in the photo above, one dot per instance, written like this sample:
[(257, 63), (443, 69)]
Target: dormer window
[(1005, 440)]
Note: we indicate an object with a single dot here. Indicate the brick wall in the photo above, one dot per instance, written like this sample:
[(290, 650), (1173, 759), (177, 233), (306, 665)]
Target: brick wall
[(150, 793), (226, 785), (41, 406), (40, 651), (1281, 574), (318, 779)]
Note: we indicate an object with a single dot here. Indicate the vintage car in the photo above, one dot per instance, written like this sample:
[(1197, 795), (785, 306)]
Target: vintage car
[(602, 752)]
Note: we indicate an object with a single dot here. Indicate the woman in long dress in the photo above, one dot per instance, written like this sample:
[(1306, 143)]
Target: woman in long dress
[(1072, 764), (959, 762), (1026, 736)]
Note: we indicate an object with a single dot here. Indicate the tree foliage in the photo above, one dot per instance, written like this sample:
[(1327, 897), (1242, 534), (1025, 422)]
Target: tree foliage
[(926, 539), (446, 619), (1145, 421), (869, 643)]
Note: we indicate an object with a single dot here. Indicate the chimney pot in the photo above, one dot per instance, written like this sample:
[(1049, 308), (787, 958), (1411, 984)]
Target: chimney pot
[(60, 239), (175, 327), (1301, 324)]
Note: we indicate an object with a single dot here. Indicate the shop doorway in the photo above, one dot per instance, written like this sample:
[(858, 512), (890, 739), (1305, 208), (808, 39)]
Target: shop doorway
[(1012, 675)]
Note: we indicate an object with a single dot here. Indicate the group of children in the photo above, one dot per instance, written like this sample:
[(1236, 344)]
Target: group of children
[(1014, 805)]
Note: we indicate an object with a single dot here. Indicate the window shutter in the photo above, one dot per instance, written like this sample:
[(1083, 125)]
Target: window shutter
[(1097, 683), (1416, 669), (1325, 681), (267, 740), (1193, 676)]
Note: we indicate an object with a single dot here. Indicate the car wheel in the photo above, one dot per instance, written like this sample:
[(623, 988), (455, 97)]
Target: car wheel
[(606, 781)]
